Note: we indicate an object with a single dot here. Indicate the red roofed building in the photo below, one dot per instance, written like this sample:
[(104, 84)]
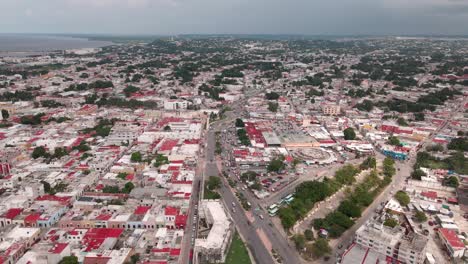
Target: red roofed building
[(430, 195), (141, 210), (95, 237), (31, 220), (168, 144), (170, 214), (452, 242), (65, 200), (60, 249), (180, 221), (8, 216), (96, 260)]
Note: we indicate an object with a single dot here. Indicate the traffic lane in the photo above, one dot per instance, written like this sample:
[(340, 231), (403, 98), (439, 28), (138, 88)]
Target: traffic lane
[(281, 244), (259, 251), (254, 243)]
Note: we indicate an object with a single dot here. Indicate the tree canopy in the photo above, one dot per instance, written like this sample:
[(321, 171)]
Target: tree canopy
[(349, 134), (402, 197)]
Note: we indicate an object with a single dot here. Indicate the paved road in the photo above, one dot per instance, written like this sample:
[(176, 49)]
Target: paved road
[(247, 231)]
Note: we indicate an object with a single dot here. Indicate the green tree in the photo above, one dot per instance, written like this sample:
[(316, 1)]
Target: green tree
[(419, 116), (287, 216), (69, 260), (110, 189), (299, 241), (5, 114), (60, 152), (417, 174), (82, 147), (452, 181), (275, 165), (39, 152), (129, 90), (240, 123), (394, 141), (390, 222), (435, 148), (460, 143), (135, 258), (402, 122), (136, 157), (122, 175), (214, 182), (273, 107), (388, 167), (420, 216), (47, 187), (321, 248), (369, 163), (272, 96), (161, 160), (349, 208), (129, 186), (309, 234), (248, 176), (349, 134), (403, 198), (366, 105), (167, 128)]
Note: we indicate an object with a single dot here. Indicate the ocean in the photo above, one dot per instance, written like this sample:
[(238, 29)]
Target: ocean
[(19, 44)]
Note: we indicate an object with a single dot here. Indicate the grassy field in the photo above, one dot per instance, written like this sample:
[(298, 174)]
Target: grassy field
[(237, 252)]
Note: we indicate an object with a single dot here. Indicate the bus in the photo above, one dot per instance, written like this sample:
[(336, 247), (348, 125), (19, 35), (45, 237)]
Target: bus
[(288, 200), (273, 212), (273, 209)]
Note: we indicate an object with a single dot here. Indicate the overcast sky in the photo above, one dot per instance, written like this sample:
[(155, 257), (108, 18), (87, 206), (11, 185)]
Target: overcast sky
[(235, 16)]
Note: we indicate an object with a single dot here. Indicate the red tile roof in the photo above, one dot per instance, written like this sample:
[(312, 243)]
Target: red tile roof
[(63, 200), (58, 248), (175, 252), (103, 217), (168, 144), (96, 236), (32, 218), (141, 210), (451, 238), (430, 194), (171, 211), (181, 220), (12, 213)]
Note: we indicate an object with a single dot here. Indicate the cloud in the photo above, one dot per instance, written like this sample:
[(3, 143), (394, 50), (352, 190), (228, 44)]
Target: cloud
[(461, 9), (121, 3), (28, 12)]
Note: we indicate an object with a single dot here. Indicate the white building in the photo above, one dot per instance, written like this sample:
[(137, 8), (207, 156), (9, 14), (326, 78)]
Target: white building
[(214, 247), (123, 132), (175, 104), (392, 242)]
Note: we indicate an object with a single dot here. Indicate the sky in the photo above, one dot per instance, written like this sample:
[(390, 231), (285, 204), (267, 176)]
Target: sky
[(170, 17)]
